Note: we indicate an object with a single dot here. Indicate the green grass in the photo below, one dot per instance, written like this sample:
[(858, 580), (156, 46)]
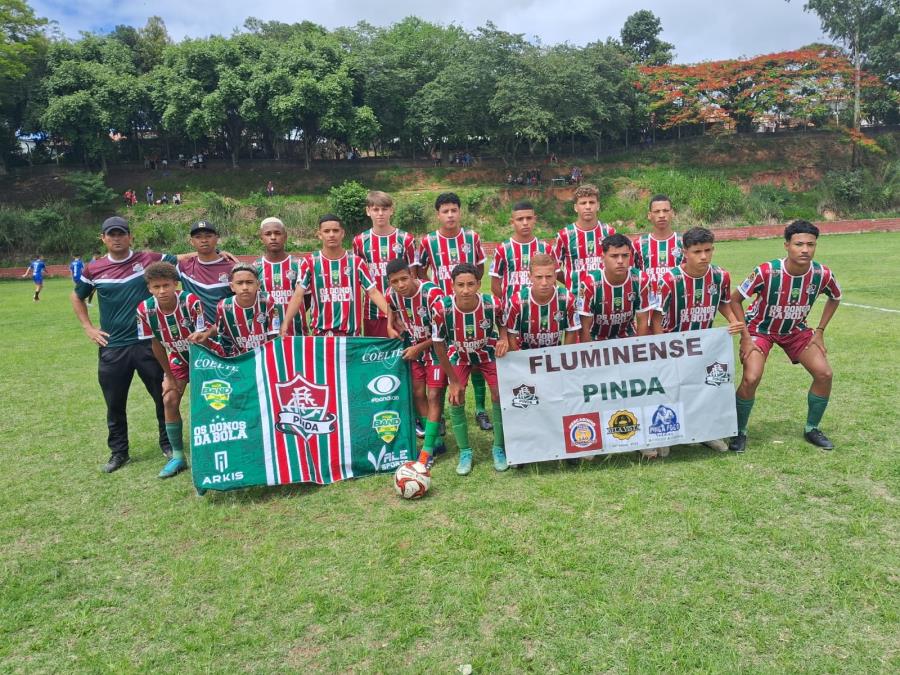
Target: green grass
[(780, 560)]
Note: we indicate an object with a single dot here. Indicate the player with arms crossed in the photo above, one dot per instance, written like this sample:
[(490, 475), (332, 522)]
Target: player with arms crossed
[(334, 277), (578, 245), (464, 337), (656, 252), (377, 246), (509, 270), (278, 271), (690, 294), (442, 250), (785, 291), (411, 301)]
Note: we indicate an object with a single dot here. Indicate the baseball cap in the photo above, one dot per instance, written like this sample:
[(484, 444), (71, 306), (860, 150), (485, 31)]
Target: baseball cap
[(203, 226), (115, 223)]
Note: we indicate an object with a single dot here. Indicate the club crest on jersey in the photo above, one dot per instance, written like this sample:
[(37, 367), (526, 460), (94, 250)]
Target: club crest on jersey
[(304, 407), (485, 324), (291, 275), (216, 393), (386, 424), (261, 318), (397, 248), (717, 374), (676, 251), (558, 316), (713, 289), (811, 289), (422, 311), (524, 396), (223, 278), (465, 248), (137, 267)]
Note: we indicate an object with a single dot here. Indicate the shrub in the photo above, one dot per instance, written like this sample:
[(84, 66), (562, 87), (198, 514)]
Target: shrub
[(413, 216), (90, 190), (348, 202)]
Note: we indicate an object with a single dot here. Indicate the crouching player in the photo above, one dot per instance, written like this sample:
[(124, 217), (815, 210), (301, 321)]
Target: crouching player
[(247, 319), (691, 293), (411, 301), (172, 319), (785, 291), (464, 338)]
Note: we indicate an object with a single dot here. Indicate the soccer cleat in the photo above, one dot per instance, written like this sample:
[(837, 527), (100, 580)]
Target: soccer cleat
[(818, 439), (439, 449), (429, 462), (738, 443), (500, 463), (483, 422), (173, 467), (420, 430), (115, 463), (717, 444), (464, 468)]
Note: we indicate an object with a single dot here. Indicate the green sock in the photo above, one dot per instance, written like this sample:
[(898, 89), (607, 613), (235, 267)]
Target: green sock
[(480, 389), (744, 406), (498, 425), (432, 431), (173, 431), (817, 405), (421, 420), (460, 426)]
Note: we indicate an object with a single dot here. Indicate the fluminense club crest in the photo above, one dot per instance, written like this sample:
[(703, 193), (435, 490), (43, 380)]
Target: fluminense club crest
[(304, 406), (524, 396), (717, 374)]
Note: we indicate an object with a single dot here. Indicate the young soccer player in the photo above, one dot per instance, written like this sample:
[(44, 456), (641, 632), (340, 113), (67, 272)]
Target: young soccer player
[(442, 250), (690, 294), (334, 277), (247, 319), (171, 319), (661, 249), (541, 314), (76, 267), (36, 270), (509, 270), (206, 274), (377, 246), (411, 301), (785, 291), (464, 338), (578, 246), (278, 271)]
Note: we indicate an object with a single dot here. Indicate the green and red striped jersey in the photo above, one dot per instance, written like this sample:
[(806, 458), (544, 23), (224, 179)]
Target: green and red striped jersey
[(541, 325), (377, 251), (578, 251), (783, 301), (207, 280), (278, 279), (470, 336), (415, 312), (335, 287), (511, 262), (610, 308), (691, 303), (442, 254), (242, 329), (171, 329), (655, 257)]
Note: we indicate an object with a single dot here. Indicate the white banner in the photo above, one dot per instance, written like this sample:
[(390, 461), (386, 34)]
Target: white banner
[(617, 395)]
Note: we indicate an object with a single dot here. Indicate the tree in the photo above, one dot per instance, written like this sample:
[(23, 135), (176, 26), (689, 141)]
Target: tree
[(640, 38)]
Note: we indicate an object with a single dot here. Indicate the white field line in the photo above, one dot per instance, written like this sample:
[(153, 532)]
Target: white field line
[(877, 309)]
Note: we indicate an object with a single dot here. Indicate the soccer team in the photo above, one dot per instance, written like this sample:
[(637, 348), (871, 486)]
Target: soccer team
[(590, 284)]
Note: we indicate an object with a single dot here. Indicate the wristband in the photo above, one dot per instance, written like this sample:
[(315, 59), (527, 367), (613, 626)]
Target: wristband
[(821, 328)]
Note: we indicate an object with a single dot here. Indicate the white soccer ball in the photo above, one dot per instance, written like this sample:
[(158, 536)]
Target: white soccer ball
[(412, 480)]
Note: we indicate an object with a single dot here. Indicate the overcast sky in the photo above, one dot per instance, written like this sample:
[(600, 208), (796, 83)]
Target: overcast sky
[(700, 29)]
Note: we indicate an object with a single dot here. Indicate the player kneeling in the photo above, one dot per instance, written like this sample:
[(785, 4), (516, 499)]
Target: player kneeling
[(173, 319)]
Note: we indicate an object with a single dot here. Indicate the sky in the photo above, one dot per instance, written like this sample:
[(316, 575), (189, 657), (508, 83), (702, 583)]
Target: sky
[(701, 30)]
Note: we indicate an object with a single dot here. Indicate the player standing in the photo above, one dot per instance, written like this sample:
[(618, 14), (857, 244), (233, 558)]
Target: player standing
[(76, 267), (36, 270), (442, 250), (206, 274), (785, 291), (509, 270), (278, 271), (247, 319), (377, 246), (658, 251), (578, 246)]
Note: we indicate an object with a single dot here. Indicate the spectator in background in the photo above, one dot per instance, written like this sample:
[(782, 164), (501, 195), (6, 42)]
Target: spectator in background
[(270, 189), (176, 198), (165, 198), (149, 196)]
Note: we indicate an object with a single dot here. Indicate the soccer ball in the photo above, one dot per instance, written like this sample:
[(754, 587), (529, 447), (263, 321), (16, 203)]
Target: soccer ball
[(410, 482)]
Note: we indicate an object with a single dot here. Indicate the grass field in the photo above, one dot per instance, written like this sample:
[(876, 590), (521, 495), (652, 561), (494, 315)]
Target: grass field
[(784, 559)]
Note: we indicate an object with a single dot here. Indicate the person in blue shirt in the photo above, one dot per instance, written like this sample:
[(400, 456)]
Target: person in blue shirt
[(36, 271), (76, 267)]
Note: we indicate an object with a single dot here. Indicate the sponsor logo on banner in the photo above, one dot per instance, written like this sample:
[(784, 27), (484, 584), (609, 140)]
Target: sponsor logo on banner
[(220, 459), (524, 396), (387, 460), (386, 424), (219, 368), (384, 385), (717, 374), (623, 424), (219, 431), (216, 393), (388, 357), (665, 422), (582, 432), (303, 408)]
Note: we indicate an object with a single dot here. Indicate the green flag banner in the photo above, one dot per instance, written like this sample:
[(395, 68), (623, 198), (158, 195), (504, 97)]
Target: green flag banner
[(300, 410)]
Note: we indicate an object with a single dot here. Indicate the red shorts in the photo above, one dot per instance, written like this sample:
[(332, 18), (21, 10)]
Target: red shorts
[(375, 327), (431, 374), (793, 344), (181, 369), (488, 371)]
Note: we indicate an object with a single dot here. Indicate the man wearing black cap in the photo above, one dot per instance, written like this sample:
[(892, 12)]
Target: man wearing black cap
[(206, 274), (118, 279)]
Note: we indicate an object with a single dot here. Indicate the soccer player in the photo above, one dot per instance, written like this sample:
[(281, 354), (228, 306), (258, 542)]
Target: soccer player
[(442, 250), (464, 338), (206, 274), (785, 291), (247, 319), (76, 267), (278, 271), (411, 301), (171, 319), (690, 294), (578, 246), (377, 246), (36, 270), (660, 250), (509, 270), (541, 314), (334, 277)]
